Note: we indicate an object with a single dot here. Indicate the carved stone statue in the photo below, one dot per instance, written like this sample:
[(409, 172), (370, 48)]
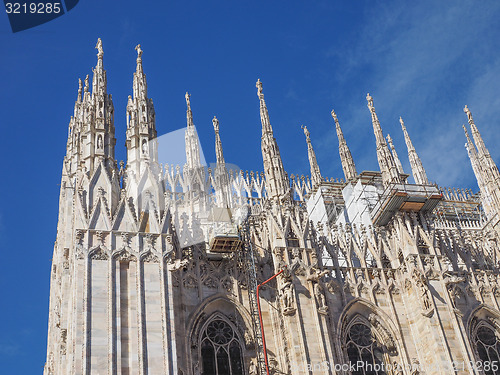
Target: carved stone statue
[(252, 369), (139, 51), (468, 113), (215, 122), (319, 293), (288, 298), (259, 87), (187, 96), (423, 293), (306, 132), (87, 83), (369, 99), (334, 115), (100, 52), (144, 148), (99, 142)]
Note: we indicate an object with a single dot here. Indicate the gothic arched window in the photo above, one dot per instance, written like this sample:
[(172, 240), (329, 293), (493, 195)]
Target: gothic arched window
[(361, 345), (487, 346), (220, 349)]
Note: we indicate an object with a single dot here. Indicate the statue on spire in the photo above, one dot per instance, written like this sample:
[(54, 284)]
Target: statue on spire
[(369, 99), (215, 122), (139, 51), (80, 86), (334, 115), (259, 88), (469, 115), (98, 46), (306, 132), (87, 83), (187, 96)]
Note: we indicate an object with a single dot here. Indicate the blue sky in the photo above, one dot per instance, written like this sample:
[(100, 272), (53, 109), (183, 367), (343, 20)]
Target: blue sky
[(423, 60)]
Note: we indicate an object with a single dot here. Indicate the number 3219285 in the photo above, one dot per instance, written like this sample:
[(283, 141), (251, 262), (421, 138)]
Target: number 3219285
[(18, 8)]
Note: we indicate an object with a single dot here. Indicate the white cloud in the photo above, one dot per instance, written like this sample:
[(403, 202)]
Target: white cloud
[(423, 63)]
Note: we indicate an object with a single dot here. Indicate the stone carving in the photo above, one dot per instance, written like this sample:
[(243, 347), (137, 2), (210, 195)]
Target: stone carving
[(386, 336), (98, 254), (150, 258), (423, 293), (139, 51), (287, 296), (98, 46), (252, 368), (320, 298)]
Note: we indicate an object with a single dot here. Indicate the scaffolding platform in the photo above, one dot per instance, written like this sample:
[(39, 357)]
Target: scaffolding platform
[(224, 237), (405, 197)]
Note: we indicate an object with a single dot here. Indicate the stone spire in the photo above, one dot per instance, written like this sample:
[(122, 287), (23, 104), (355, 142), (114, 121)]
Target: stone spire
[(399, 166), (218, 144), (488, 168), (141, 142), (417, 168), (222, 189), (346, 159), (476, 168), (191, 136), (386, 162), (94, 118), (277, 184), (316, 178)]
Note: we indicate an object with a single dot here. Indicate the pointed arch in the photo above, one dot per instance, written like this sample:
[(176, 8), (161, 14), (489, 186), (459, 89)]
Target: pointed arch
[(365, 333), (235, 344), (483, 329)]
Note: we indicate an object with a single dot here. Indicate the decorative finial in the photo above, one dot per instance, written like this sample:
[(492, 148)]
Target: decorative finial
[(369, 99), (139, 51), (389, 139), (259, 88), (334, 115), (469, 114), (187, 96), (215, 122), (79, 89), (306, 132), (98, 46)]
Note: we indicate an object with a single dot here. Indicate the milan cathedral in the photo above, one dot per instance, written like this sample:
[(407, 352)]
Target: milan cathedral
[(167, 270)]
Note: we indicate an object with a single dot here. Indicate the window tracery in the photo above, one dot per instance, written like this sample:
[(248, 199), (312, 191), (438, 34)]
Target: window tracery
[(362, 345), (487, 347), (220, 349)]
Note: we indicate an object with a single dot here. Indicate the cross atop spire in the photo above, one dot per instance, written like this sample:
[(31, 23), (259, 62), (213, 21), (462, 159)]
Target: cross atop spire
[(316, 178), (346, 159)]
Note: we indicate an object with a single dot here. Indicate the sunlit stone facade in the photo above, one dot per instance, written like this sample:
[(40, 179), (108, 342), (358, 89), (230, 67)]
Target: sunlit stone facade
[(155, 268)]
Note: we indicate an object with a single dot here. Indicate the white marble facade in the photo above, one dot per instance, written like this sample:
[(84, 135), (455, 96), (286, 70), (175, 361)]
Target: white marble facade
[(377, 271)]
